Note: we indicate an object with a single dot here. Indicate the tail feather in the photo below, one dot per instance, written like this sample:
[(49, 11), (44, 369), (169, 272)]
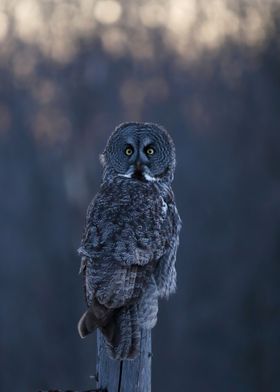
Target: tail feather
[(86, 324), (119, 327), (97, 316), (122, 334)]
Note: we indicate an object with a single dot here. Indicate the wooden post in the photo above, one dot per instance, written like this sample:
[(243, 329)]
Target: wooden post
[(124, 376)]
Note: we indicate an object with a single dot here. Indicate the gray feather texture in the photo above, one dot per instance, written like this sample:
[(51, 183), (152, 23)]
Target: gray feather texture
[(130, 238)]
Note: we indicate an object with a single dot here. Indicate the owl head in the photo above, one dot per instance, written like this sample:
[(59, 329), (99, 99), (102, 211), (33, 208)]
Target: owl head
[(141, 151)]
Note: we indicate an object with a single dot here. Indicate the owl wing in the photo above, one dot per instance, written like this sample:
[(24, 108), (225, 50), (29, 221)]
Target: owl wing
[(165, 272), (120, 246), (127, 245)]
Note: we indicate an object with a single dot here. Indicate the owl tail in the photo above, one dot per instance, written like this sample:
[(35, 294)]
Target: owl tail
[(120, 328), (122, 334), (87, 324), (97, 316)]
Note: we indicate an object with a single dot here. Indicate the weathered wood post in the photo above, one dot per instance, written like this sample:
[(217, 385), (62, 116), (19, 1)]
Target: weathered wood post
[(125, 376)]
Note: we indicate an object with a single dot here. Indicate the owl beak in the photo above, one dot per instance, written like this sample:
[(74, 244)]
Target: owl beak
[(138, 172), (138, 166)]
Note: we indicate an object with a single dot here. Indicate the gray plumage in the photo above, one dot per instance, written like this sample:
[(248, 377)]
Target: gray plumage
[(130, 239)]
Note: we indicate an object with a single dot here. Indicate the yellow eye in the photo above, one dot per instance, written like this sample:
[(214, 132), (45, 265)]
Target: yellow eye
[(150, 151), (128, 151)]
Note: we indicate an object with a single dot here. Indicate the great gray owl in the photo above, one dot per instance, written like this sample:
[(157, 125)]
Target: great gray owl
[(130, 239)]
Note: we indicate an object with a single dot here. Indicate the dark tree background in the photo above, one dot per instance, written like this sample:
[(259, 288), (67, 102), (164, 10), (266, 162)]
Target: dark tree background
[(210, 72)]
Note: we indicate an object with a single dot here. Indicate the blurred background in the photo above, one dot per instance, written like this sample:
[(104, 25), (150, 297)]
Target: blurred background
[(209, 71)]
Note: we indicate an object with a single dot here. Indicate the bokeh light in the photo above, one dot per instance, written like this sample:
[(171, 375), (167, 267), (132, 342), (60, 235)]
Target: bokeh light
[(188, 27)]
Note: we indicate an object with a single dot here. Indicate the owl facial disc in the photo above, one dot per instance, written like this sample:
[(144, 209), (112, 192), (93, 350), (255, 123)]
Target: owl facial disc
[(141, 151)]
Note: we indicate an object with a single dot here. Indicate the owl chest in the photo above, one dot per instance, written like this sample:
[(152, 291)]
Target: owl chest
[(131, 219), (145, 209)]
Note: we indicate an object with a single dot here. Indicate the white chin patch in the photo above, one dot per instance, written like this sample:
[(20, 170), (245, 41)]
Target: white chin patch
[(148, 177), (127, 175), (145, 175)]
